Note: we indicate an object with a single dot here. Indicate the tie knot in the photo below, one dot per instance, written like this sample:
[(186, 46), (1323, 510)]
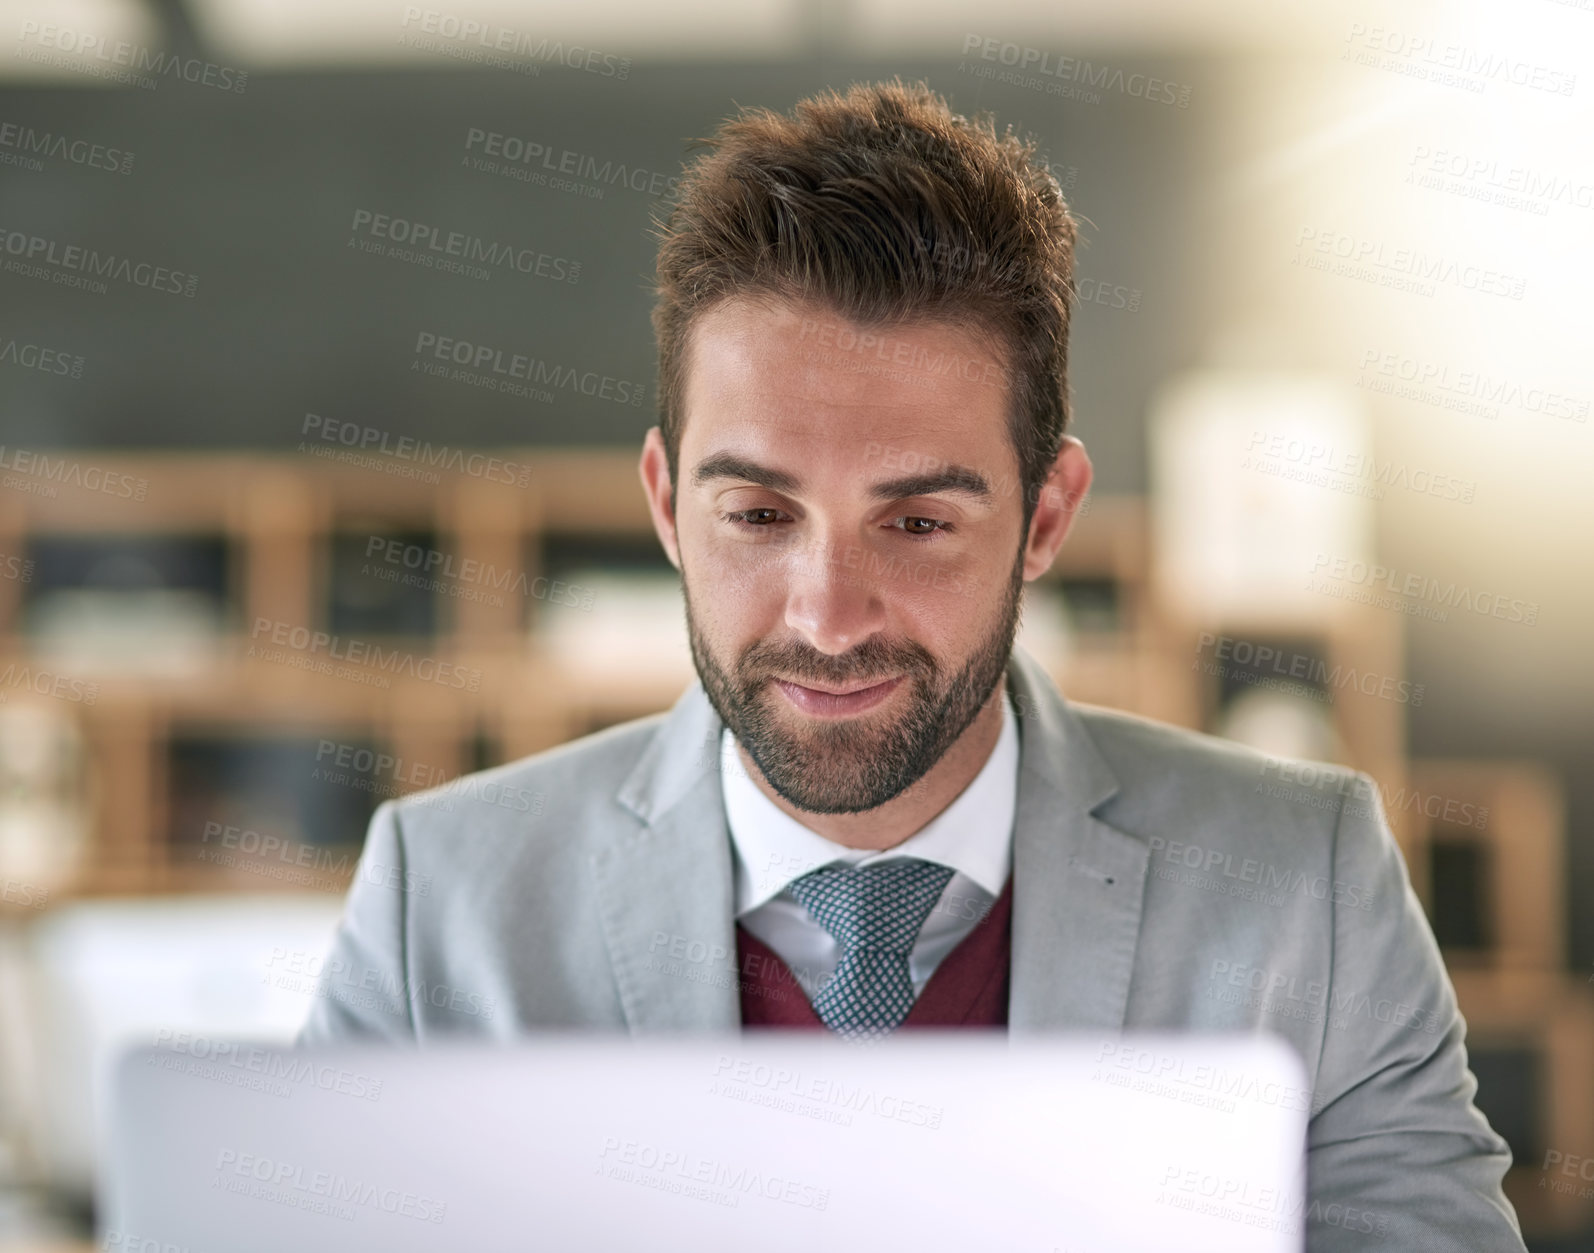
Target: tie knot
[(880, 907)]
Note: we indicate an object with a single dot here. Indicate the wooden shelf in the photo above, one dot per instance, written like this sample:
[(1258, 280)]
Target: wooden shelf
[(1513, 815), (279, 514), (1549, 1015)]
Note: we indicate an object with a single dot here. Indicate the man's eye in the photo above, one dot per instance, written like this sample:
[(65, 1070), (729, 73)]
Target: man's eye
[(745, 516), (909, 528)]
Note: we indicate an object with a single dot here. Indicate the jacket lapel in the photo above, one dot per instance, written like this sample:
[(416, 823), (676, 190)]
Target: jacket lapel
[(665, 888), (1078, 881)]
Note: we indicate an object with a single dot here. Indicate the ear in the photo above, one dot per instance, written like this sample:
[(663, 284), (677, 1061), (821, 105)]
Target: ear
[(1058, 503), (654, 469)]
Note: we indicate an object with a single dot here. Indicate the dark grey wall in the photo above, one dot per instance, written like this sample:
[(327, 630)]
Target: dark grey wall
[(255, 194)]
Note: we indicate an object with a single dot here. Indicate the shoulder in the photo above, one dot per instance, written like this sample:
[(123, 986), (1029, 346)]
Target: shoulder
[(1172, 779), (1234, 822), (569, 787)]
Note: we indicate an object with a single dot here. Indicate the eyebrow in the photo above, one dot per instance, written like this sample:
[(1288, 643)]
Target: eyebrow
[(953, 478)]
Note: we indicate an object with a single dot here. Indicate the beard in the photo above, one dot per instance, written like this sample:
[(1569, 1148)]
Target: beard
[(852, 765)]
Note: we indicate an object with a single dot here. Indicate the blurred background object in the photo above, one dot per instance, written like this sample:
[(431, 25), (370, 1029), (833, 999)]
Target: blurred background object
[(294, 518), (44, 796)]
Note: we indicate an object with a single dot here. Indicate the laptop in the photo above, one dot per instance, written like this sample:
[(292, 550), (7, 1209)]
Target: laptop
[(778, 1142)]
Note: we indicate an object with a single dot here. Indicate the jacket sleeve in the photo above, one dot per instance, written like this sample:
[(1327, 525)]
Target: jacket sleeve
[(362, 987), (1398, 1156)]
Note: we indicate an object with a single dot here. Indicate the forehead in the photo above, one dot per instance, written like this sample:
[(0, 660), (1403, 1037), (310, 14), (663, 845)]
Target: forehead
[(802, 375)]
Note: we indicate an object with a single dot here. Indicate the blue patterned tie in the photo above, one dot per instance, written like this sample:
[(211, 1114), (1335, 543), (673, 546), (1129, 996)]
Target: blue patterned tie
[(875, 914)]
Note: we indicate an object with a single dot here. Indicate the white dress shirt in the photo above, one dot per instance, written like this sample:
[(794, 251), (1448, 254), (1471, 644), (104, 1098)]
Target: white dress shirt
[(973, 835)]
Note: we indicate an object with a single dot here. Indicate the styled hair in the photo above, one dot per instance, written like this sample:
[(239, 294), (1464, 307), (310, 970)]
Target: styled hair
[(887, 208)]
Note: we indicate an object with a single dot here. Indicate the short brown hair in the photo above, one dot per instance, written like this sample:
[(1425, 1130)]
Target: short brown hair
[(885, 206)]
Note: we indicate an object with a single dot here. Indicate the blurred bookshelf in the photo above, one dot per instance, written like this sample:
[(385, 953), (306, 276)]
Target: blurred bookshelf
[(1485, 842), (258, 649), (209, 689)]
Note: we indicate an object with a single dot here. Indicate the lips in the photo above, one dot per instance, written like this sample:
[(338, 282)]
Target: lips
[(864, 686), (817, 702)]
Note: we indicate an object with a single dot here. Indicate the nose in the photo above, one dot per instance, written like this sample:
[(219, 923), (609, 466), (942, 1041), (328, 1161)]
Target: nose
[(832, 601)]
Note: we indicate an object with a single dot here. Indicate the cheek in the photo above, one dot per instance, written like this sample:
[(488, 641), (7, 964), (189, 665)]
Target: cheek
[(934, 591), (946, 623), (756, 565), (738, 576), (737, 594)]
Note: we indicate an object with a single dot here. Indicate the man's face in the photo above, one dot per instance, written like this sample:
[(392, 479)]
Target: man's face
[(848, 517)]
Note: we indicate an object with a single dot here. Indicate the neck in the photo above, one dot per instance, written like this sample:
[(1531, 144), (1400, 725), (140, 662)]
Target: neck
[(890, 824)]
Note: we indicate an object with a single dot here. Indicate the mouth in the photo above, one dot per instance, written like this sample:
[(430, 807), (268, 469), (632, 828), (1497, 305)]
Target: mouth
[(831, 702)]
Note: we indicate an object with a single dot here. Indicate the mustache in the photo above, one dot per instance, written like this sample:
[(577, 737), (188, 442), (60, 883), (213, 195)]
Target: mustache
[(876, 666)]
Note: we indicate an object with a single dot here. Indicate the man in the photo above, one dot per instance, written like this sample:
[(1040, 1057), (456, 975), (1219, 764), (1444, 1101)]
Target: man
[(872, 813)]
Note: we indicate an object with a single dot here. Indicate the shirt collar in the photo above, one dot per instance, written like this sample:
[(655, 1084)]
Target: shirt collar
[(973, 834)]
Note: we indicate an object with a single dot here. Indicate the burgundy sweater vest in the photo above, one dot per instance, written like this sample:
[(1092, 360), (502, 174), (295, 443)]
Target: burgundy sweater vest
[(968, 988)]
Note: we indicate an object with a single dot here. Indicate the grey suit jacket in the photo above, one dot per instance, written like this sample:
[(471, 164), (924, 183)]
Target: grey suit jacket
[(1162, 880)]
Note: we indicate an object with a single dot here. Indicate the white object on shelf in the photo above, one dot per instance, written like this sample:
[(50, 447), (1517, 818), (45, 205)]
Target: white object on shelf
[(161, 631), (636, 628), (44, 796), (1282, 724), (1261, 483)]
